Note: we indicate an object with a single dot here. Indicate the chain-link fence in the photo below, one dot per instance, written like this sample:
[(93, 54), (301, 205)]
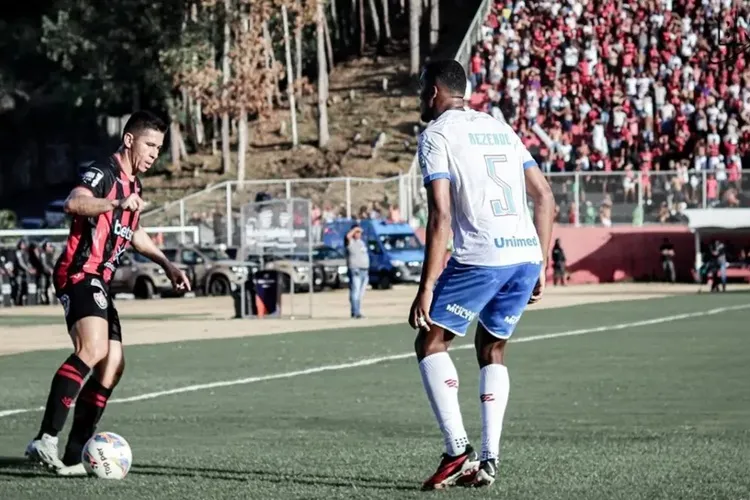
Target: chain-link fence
[(216, 210), (640, 197)]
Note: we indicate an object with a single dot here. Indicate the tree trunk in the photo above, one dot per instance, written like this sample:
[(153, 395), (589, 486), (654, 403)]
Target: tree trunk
[(215, 137), (329, 45), (323, 135), (271, 62), (242, 127), (353, 24), (298, 55), (361, 5), (226, 160), (434, 22), (200, 132), (386, 20), (196, 110), (174, 144), (415, 8), (289, 76), (242, 146), (375, 21), (335, 19)]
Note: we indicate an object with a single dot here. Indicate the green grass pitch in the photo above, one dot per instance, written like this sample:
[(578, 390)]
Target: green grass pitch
[(653, 411)]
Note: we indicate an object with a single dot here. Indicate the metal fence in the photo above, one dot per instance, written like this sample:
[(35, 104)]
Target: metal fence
[(216, 209), (473, 34), (637, 198)]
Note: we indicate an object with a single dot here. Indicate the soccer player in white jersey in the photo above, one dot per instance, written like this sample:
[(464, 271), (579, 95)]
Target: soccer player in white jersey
[(478, 175)]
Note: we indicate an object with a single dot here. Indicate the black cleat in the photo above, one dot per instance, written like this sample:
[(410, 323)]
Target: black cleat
[(484, 475)]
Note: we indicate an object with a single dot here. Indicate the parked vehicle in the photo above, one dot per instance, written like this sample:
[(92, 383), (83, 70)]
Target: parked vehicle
[(335, 273), (296, 269), (396, 254), (141, 277), (211, 270)]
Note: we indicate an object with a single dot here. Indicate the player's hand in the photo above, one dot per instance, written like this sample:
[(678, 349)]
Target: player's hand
[(419, 316), (133, 203), (536, 295), (180, 281)]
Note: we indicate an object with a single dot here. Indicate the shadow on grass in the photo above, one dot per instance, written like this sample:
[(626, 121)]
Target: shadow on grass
[(22, 467), (273, 476)]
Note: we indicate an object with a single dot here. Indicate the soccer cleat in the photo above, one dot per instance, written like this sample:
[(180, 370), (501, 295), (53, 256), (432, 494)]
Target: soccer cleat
[(44, 451), (76, 470), (451, 469), (483, 476)]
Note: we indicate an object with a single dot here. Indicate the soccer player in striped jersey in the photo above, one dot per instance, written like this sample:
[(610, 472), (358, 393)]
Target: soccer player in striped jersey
[(105, 209)]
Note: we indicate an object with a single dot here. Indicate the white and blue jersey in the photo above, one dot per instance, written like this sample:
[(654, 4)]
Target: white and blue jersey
[(497, 256)]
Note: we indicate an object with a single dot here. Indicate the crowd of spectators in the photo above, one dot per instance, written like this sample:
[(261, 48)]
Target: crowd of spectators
[(633, 86)]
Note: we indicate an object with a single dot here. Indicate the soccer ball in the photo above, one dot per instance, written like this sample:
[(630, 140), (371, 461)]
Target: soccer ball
[(107, 455)]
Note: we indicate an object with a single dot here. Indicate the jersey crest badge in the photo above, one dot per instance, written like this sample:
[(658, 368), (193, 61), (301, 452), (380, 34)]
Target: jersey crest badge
[(100, 299)]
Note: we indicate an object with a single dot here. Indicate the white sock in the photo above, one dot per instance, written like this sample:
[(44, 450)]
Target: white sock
[(494, 388), (441, 384)]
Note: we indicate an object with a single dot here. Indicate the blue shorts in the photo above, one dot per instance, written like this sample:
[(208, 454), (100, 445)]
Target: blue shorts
[(498, 295)]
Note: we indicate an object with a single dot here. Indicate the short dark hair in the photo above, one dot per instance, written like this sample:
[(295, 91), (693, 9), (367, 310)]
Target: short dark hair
[(144, 120), (448, 73)]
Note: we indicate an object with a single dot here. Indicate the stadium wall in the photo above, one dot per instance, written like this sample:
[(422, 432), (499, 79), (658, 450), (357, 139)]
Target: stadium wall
[(610, 254)]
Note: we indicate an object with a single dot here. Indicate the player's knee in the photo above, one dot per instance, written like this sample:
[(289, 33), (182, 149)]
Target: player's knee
[(492, 353), (490, 350), (93, 352), (431, 342)]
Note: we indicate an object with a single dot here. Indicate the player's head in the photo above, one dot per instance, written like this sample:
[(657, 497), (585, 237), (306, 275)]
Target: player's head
[(356, 231), (142, 139), (442, 87)]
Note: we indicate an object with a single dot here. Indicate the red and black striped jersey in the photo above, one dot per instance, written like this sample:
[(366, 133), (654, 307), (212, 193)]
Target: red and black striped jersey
[(95, 244)]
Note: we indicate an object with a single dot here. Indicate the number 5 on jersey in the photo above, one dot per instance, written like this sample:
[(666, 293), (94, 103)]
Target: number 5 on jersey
[(505, 205)]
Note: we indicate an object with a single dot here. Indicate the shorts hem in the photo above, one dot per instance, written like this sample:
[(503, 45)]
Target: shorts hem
[(504, 266), (494, 334), (447, 329)]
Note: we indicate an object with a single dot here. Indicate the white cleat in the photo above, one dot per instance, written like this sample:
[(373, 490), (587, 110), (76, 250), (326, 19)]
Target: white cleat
[(77, 470), (44, 451)]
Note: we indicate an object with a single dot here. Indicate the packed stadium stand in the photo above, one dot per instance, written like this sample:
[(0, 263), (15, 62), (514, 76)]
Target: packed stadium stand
[(641, 88)]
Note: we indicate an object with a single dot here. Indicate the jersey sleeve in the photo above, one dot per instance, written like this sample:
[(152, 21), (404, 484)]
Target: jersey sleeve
[(97, 179), (432, 154), (527, 161)]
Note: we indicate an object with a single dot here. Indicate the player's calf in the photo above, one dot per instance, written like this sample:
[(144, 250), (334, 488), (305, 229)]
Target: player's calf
[(91, 346), (92, 402), (494, 389)]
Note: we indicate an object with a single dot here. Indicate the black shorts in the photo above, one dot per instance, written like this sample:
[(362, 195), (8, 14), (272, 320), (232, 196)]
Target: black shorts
[(90, 297)]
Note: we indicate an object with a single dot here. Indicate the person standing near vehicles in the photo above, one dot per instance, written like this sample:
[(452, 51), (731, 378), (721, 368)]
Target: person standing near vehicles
[(358, 263)]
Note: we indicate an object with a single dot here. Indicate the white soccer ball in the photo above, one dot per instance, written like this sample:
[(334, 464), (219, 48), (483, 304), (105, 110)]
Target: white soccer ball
[(107, 455)]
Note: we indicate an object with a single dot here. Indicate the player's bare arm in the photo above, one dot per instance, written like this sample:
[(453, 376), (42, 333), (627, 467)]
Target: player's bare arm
[(81, 201), (544, 214), (436, 244), (144, 245)]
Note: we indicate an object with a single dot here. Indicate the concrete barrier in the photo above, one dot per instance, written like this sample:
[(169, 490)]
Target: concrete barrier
[(614, 254)]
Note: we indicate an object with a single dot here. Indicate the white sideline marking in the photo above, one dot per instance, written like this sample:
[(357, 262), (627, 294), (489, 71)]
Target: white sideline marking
[(393, 357)]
